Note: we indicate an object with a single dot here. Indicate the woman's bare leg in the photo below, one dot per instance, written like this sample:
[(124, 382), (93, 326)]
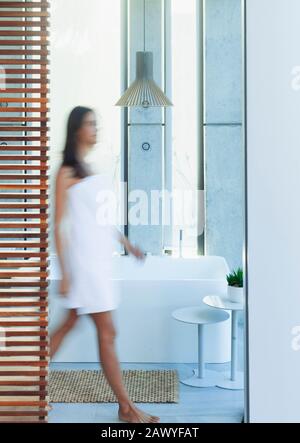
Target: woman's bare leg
[(58, 336), (106, 337)]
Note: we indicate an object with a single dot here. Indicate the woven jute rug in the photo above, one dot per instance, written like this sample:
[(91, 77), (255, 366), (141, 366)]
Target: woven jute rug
[(86, 386)]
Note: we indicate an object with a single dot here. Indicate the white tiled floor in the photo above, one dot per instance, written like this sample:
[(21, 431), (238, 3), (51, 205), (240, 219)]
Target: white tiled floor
[(196, 405)]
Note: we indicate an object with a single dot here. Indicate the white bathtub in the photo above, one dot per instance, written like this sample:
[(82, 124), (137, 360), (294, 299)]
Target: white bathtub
[(151, 291)]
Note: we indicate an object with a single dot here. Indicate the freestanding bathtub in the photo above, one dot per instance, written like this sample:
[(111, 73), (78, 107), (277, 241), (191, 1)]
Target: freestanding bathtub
[(151, 291)]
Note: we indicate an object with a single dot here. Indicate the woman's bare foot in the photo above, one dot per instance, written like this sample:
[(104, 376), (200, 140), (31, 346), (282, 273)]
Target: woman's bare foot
[(131, 414)]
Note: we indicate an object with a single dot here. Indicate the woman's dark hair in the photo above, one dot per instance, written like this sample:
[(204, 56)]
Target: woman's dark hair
[(70, 157)]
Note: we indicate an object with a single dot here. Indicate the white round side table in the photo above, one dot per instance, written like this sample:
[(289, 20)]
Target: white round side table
[(196, 315), (234, 380)]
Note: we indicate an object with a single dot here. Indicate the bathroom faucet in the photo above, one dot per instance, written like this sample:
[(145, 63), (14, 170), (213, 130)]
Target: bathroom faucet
[(180, 242)]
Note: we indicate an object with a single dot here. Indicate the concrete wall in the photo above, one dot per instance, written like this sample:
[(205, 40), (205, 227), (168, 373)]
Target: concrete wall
[(224, 150)]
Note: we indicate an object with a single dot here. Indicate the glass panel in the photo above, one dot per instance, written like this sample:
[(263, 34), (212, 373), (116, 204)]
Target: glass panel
[(184, 122), (86, 70)]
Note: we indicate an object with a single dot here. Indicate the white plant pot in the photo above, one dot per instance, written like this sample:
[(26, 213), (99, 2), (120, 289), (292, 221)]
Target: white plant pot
[(235, 294)]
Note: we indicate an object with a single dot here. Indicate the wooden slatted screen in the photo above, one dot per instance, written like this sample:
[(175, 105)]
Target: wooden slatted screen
[(23, 210)]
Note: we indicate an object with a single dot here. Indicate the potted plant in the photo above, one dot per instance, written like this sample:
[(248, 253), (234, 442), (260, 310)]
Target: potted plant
[(235, 286)]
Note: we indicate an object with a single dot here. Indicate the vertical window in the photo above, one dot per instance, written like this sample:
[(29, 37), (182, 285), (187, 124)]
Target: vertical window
[(86, 70), (183, 55)]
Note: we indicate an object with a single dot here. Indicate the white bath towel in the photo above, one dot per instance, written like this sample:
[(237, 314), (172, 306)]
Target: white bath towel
[(89, 237)]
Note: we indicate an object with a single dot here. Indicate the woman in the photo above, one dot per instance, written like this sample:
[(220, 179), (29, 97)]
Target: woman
[(85, 261)]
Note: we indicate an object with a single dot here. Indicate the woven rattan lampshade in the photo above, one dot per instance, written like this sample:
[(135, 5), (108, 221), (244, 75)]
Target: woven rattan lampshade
[(144, 91)]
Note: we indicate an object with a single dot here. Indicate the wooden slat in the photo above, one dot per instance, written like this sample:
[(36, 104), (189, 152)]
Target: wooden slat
[(23, 304), (23, 383), (24, 234), (34, 90), (27, 71), (23, 373), (23, 403), (42, 52), (40, 149), (23, 323), (26, 4), (23, 14), (15, 33), (27, 139), (21, 225), (22, 414), (23, 177), (23, 274), (22, 314), (21, 100), (24, 158), (25, 42), (24, 264), (41, 334), (24, 222), (21, 62), (23, 206), (26, 334), (28, 80), (25, 393), (23, 24), (23, 119), (23, 215), (23, 421), (24, 284), (36, 110), (23, 33), (39, 342)]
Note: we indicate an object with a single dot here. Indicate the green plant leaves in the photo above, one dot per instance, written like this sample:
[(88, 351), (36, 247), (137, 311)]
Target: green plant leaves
[(235, 278)]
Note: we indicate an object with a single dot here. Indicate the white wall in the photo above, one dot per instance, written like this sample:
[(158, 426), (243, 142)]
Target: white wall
[(273, 159)]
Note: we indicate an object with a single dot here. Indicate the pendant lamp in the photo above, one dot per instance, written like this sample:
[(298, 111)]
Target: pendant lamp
[(144, 91)]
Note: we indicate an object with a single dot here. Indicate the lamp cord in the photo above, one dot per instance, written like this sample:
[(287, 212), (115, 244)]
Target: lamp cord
[(144, 25)]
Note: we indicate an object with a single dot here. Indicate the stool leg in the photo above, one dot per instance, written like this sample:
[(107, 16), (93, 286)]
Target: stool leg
[(235, 379), (202, 378), (201, 366), (234, 326)]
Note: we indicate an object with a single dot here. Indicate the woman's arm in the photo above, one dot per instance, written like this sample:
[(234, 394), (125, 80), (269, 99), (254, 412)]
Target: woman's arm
[(138, 253), (62, 181)]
